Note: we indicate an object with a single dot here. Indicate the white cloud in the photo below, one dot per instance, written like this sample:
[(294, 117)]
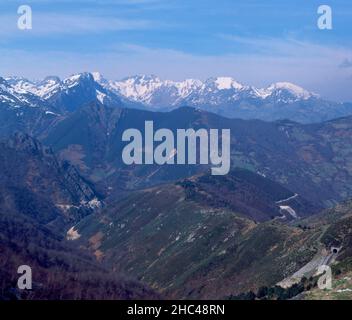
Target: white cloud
[(45, 24)]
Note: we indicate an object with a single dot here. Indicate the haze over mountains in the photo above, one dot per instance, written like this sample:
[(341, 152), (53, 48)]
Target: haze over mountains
[(82, 118), (221, 95), (177, 229), (308, 159)]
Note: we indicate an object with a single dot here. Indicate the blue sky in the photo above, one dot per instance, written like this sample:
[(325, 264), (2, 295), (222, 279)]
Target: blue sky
[(256, 42)]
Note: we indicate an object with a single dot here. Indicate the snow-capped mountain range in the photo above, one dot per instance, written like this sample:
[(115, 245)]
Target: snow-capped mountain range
[(157, 93), (222, 95), (64, 95), (17, 97)]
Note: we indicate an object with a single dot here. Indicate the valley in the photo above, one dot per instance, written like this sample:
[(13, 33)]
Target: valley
[(311, 160), (174, 231), (194, 243), (33, 186)]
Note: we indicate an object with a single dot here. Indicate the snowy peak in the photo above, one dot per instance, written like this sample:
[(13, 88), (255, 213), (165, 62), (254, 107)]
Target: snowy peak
[(295, 91), (48, 87), (41, 89), (139, 85), (74, 91), (156, 93), (138, 88), (78, 79), (17, 93), (98, 77), (151, 90), (226, 83), (55, 94), (50, 82), (84, 88), (223, 95), (21, 85)]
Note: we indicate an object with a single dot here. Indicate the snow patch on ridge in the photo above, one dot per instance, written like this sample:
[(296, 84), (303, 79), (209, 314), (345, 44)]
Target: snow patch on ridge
[(100, 96), (224, 83), (295, 90)]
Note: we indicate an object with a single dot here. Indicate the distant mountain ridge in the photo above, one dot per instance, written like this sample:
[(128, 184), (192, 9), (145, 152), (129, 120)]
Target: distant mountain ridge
[(65, 95), (214, 91), (222, 95), (284, 151)]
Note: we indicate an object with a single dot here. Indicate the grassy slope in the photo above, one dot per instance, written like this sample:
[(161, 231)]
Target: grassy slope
[(190, 250)]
